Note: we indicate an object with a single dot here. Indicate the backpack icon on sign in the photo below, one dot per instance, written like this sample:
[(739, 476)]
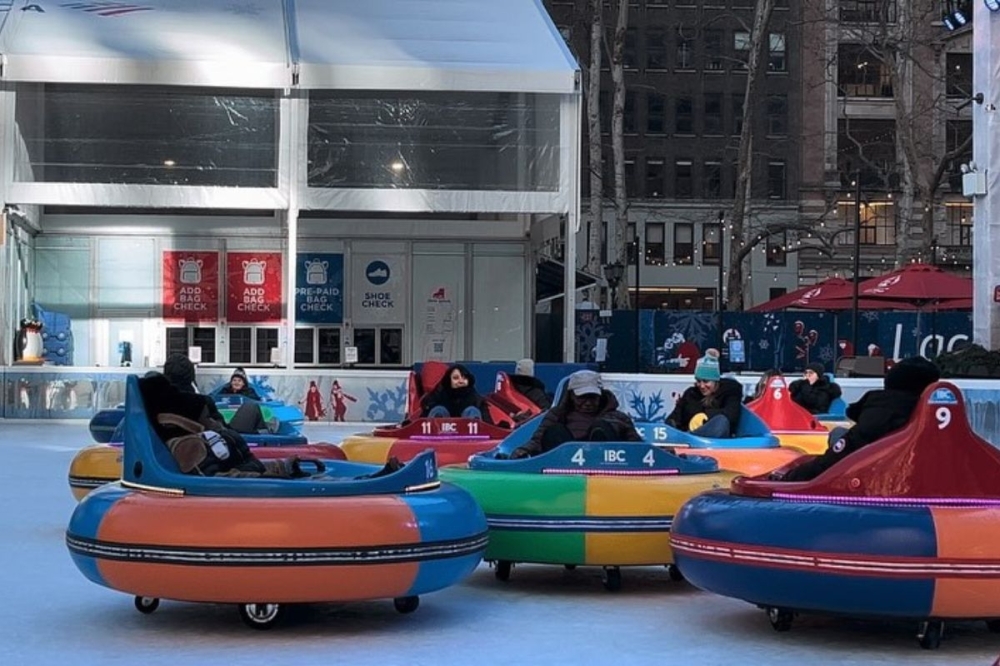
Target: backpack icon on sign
[(253, 271), (190, 270), (316, 271)]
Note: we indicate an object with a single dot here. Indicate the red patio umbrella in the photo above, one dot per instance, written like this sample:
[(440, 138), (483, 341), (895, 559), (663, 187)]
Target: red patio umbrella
[(810, 292), (848, 303), (918, 283)]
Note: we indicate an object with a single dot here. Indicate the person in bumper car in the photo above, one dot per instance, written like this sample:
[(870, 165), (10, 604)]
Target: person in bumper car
[(712, 407), (525, 383), (875, 415), (180, 372), (814, 392), (239, 384), (587, 412), (455, 396)]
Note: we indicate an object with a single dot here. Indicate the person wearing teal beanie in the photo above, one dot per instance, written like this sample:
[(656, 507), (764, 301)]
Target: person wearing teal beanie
[(712, 407)]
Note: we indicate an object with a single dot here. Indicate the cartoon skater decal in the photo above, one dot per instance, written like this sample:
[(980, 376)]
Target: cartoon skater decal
[(314, 403), (338, 404)]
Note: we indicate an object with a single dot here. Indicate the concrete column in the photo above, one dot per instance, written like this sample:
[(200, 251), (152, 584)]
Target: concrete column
[(986, 155)]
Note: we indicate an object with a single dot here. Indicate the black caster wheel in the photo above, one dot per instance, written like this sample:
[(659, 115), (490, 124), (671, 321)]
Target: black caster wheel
[(780, 618), (570, 567), (503, 570), (993, 626), (406, 604), (612, 579), (929, 634), (146, 605), (261, 616), (674, 573)]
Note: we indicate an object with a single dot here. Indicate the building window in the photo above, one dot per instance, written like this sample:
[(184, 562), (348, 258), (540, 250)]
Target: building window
[(656, 251), (629, 124), (630, 185), (656, 49), (317, 346), (959, 223), (251, 345), (684, 117), (180, 338), (713, 180), (714, 50), (878, 222), (685, 48), (379, 346), (741, 48), (713, 114), (683, 243), (777, 61), (959, 75), (630, 58), (737, 115), (775, 249), (775, 292), (604, 242), (631, 238), (868, 11), (711, 247), (777, 115), (861, 73), (683, 179), (654, 178), (656, 113), (958, 134), (869, 146), (776, 180)]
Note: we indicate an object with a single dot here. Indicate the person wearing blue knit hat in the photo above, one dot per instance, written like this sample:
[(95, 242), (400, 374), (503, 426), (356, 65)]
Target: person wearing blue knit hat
[(712, 407)]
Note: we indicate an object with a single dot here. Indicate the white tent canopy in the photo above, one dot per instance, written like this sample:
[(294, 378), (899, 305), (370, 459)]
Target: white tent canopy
[(473, 45)]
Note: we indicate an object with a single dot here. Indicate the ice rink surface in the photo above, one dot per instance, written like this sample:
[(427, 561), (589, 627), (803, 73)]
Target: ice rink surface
[(544, 615)]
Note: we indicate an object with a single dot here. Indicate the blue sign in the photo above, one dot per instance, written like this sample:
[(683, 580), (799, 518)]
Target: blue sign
[(737, 352), (319, 288), (377, 272)]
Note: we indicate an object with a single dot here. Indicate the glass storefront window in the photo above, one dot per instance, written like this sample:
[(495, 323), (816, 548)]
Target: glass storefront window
[(150, 136), (435, 141)]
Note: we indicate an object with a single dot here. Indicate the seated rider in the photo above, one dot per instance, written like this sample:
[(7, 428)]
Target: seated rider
[(712, 407), (587, 412), (524, 382), (455, 396), (762, 385), (875, 415), (814, 392), (239, 384), (179, 371)]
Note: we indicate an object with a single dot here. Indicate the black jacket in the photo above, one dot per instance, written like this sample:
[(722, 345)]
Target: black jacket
[(817, 397), (607, 412), (875, 415), (247, 392), (531, 388), (727, 400), (455, 401)]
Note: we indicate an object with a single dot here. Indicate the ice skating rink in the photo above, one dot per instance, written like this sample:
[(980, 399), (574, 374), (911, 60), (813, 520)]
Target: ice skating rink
[(544, 615)]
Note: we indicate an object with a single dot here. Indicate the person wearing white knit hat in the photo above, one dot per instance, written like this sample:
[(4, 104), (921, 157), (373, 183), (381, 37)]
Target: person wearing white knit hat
[(524, 382), (712, 407)]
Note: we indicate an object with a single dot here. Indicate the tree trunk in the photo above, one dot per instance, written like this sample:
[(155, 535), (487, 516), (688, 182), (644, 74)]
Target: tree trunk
[(595, 238), (759, 41), (618, 139)]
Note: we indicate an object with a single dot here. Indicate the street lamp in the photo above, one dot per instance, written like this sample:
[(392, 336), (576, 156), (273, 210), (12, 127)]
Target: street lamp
[(613, 274), (719, 306), (638, 306), (857, 262)]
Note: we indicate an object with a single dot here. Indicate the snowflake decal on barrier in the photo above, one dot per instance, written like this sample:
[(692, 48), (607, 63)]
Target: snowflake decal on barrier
[(647, 409), (826, 354), (869, 316), (764, 344), (387, 405), (587, 333)]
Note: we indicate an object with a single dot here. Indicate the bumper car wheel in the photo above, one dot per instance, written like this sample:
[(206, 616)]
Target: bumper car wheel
[(781, 619), (406, 604), (612, 579), (261, 616), (146, 605), (503, 570), (674, 573), (929, 634)]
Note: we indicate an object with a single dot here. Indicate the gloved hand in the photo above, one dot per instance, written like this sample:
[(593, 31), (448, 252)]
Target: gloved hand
[(501, 456), (518, 453)]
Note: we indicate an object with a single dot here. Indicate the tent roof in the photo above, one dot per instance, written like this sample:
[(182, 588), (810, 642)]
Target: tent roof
[(509, 46)]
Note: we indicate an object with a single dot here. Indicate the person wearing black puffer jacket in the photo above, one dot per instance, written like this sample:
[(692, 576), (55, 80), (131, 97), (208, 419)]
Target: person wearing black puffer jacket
[(712, 407), (875, 415), (248, 419), (815, 392), (455, 396), (587, 412)]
